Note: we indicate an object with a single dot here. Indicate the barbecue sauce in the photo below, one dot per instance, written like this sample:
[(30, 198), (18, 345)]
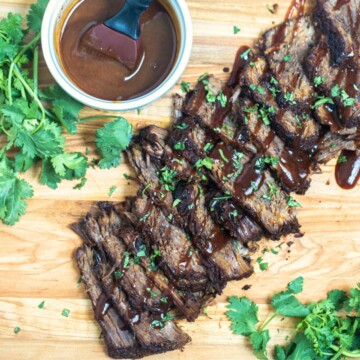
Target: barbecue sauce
[(104, 77), (347, 173)]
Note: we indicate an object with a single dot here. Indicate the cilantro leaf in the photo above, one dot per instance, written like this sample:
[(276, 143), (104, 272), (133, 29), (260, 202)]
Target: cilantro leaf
[(285, 303), (111, 140), (354, 300), (296, 286), (259, 340), (65, 108), (13, 193), (11, 28), (35, 15), (243, 315), (338, 298), (299, 349)]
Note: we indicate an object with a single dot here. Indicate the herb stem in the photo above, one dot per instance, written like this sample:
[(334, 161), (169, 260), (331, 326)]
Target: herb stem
[(28, 46), (90, 118), (34, 96), (267, 322), (36, 70)]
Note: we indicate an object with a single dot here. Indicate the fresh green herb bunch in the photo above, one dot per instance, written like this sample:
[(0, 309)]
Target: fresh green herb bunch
[(326, 330), (32, 121)]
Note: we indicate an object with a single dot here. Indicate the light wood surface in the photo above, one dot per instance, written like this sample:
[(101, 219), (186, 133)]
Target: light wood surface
[(36, 256)]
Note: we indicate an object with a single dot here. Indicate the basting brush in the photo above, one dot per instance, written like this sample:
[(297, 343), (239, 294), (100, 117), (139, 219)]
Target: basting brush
[(119, 37)]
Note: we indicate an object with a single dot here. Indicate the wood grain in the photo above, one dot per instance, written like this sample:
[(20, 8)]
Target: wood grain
[(36, 256)]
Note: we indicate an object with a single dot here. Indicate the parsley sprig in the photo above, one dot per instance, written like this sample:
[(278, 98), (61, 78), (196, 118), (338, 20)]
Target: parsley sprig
[(326, 330)]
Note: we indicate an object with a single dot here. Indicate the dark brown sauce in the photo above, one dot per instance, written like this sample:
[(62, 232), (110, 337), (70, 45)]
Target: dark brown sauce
[(239, 64), (103, 77), (217, 240), (250, 178), (347, 173), (296, 9), (340, 4), (294, 169)]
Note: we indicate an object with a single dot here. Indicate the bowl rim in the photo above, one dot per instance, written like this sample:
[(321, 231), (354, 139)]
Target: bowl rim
[(51, 17)]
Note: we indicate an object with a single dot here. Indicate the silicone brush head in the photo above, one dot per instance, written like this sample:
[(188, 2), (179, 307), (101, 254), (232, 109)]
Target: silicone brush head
[(106, 42), (119, 37)]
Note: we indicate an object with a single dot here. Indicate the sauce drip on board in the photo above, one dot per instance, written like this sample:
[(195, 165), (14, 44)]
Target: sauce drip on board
[(106, 78), (347, 172)]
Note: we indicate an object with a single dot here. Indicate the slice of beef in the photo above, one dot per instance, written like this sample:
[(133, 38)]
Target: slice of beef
[(119, 339), (153, 140), (254, 189), (230, 216), (222, 252), (339, 20), (285, 47), (142, 292), (332, 144), (290, 167), (191, 141), (144, 324), (210, 102), (337, 85), (336, 58), (297, 129), (183, 269), (157, 181)]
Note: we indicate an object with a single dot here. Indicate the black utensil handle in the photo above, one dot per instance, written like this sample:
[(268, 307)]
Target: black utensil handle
[(126, 20), (140, 3)]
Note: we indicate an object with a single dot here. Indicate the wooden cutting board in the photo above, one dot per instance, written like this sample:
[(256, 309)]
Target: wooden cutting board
[(36, 256)]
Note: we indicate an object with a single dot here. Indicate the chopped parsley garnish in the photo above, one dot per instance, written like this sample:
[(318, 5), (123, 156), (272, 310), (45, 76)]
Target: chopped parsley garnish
[(335, 91), (273, 190), (81, 184), (182, 126), (208, 147), (255, 186), (185, 86), (227, 197), (236, 29), (176, 203), (293, 203), (318, 80), (65, 312), (273, 81), (179, 146), (16, 330), (321, 100), (144, 218), (167, 178), (264, 116), (287, 58), (201, 191), (153, 256), (171, 217), (152, 294), (221, 152), (206, 162), (263, 266), (222, 98), (298, 122), (142, 251), (290, 97), (118, 274), (126, 262), (210, 97), (126, 176), (160, 323), (260, 90), (274, 252), (41, 305), (203, 77), (164, 300), (112, 191), (271, 10), (342, 159), (245, 54)]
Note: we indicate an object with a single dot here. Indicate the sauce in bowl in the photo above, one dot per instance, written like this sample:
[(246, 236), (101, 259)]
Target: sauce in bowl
[(105, 78)]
